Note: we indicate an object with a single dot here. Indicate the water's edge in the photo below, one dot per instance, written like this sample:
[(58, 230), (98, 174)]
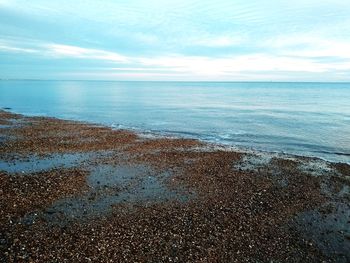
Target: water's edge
[(212, 145)]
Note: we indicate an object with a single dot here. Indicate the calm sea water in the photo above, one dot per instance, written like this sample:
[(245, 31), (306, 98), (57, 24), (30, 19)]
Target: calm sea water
[(311, 119)]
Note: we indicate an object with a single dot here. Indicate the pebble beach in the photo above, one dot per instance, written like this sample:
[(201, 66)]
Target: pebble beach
[(81, 192)]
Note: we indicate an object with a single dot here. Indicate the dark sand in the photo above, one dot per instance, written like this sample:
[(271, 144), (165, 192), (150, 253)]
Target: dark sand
[(77, 192)]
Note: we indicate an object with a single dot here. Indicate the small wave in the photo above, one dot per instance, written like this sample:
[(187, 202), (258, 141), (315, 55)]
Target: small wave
[(335, 153), (246, 142)]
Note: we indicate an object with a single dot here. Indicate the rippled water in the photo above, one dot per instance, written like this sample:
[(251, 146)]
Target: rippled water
[(310, 119)]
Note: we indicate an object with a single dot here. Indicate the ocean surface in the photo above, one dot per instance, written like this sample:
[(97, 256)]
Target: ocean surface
[(310, 119)]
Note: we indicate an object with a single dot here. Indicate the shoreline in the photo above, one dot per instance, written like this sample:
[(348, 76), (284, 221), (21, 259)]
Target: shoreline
[(129, 198), (155, 134)]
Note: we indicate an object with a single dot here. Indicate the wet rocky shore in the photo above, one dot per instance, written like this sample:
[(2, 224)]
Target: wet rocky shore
[(81, 192)]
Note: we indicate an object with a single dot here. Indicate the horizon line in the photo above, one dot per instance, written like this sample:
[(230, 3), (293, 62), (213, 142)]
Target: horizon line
[(208, 81)]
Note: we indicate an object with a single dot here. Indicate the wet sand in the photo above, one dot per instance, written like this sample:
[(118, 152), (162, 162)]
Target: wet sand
[(79, 192)]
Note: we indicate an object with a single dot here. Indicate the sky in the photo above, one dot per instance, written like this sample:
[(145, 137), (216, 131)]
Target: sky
[(183, 40)]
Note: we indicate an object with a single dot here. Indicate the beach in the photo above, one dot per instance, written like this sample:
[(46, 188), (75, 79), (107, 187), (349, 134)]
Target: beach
[(174, 131), (82, 192)]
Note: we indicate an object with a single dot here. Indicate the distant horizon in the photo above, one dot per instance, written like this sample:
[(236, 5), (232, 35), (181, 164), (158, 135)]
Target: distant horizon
[(185, 40), (186, 81)]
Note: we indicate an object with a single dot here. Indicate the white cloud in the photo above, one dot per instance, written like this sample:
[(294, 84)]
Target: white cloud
[(6, 48), (59, 50), (243, 63), (145, 69), (198, 66), (309, 46)]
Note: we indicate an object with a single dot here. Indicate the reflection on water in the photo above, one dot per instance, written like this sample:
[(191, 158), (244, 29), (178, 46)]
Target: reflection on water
[(111, 185), (34, 163), (301, 118)]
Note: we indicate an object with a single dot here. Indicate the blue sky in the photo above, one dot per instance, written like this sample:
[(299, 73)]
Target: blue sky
[(228, 40)]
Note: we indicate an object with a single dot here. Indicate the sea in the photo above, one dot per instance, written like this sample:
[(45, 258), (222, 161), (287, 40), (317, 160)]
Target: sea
[(307, 119)]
